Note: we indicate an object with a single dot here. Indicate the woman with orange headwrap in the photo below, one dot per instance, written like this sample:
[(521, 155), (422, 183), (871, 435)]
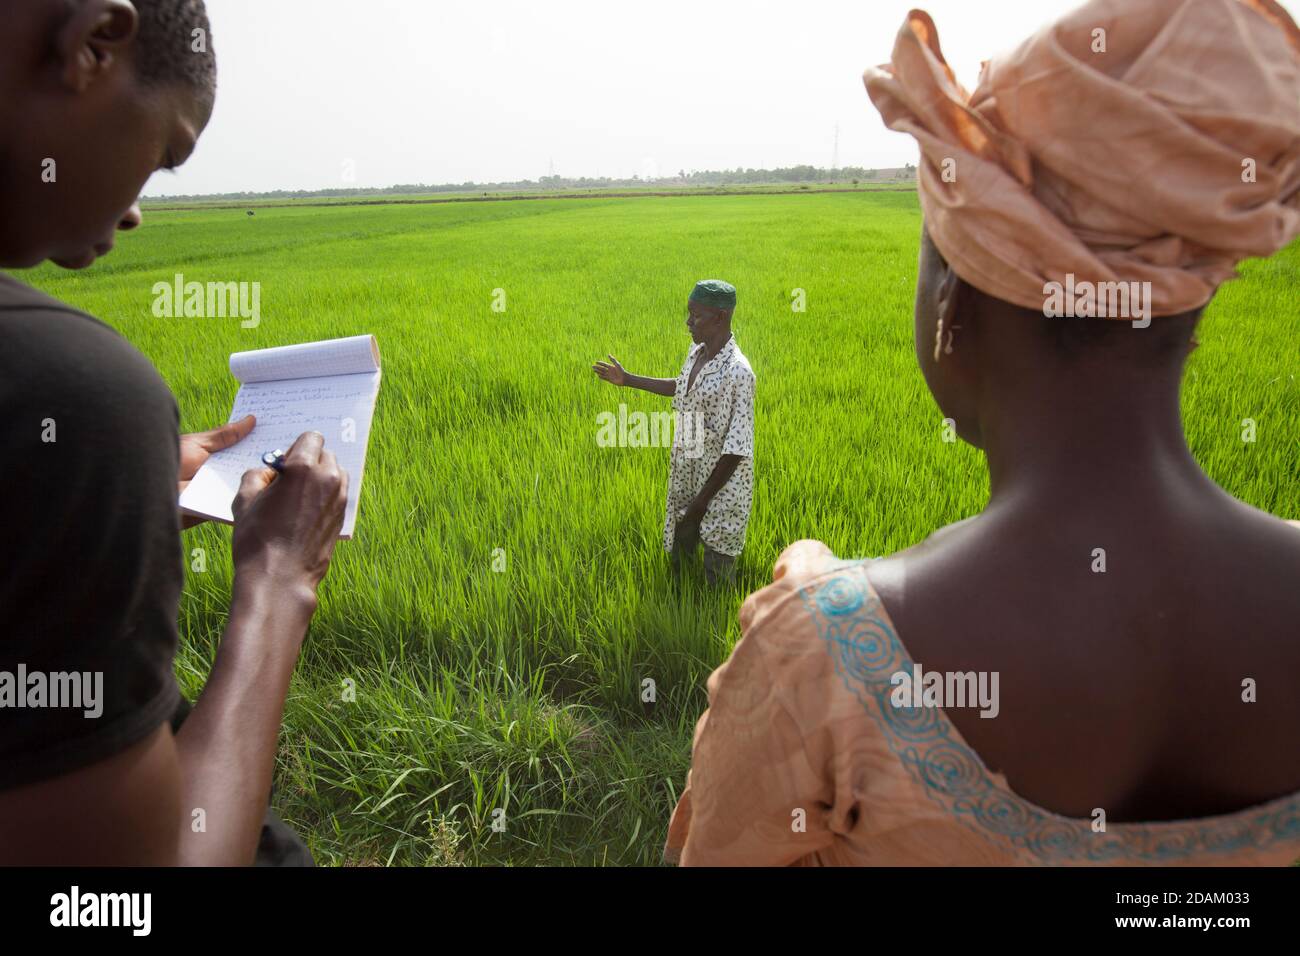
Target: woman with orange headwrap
[(1110, 667)]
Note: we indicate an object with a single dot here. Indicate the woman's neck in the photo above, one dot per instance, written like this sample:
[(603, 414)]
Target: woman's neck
[(1112, 445)]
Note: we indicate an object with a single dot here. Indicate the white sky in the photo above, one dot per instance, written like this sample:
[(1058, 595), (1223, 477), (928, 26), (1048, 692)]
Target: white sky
[(494, 90)]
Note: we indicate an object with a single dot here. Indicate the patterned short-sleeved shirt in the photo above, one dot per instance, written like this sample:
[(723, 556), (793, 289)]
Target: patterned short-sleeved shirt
[(715, 417)]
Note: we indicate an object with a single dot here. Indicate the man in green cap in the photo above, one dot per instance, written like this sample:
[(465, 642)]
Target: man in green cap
[(711, 473)]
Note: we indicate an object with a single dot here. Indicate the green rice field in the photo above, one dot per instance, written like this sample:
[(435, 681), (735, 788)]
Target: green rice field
[(482, 689)]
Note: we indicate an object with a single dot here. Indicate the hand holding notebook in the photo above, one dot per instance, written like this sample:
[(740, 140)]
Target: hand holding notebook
[(329, 387)]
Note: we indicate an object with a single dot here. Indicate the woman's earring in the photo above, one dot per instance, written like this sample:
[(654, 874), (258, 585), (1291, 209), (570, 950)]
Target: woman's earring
[(941, 346)]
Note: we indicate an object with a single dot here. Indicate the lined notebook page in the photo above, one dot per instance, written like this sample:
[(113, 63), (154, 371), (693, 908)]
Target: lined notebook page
[(329, 387), (350, 356)]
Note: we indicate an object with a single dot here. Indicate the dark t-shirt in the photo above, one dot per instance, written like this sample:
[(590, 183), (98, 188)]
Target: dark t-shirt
[(92, 563)]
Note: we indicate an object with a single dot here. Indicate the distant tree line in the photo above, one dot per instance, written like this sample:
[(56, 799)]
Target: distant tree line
[(708, 177)]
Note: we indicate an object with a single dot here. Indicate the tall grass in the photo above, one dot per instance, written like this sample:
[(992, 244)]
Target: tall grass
[(522, 691)]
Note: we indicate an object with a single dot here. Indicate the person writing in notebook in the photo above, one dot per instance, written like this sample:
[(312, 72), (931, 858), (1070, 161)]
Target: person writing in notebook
[(1140, 620), (711, 472), (95, 95)]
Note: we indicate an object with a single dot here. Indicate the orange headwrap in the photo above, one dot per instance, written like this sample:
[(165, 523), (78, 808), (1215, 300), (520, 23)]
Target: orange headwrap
[(1167, 158)]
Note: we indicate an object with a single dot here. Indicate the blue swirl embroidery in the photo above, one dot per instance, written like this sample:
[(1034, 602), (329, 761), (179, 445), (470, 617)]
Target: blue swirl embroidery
[(851, 621)]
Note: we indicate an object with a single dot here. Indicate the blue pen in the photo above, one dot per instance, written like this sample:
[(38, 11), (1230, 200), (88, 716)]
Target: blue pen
[(274, 460)]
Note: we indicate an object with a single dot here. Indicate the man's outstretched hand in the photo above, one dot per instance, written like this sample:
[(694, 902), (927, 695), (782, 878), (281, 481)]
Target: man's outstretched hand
[(196, 448), (610, 371)]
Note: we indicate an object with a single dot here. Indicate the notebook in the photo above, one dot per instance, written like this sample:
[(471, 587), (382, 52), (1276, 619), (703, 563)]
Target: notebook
[(329, 387)]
